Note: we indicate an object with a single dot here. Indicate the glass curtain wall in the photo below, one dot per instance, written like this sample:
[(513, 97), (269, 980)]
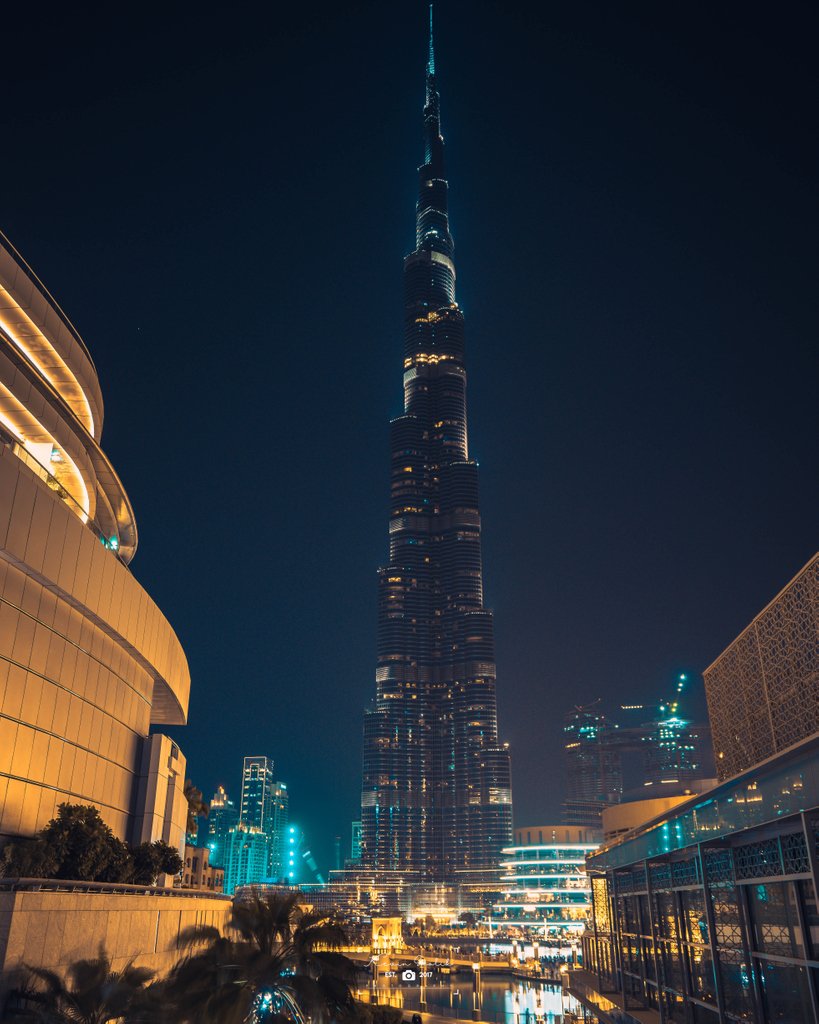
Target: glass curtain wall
[(727, 933)]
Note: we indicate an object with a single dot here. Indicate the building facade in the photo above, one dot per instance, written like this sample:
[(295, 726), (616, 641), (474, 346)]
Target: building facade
[(763, 690), (88, 662), (546, 892), (280, 864), (708, 912), (223, 815), (671, 749), (199, 873), (264, 808), (436, 794), (258, 785), (247, 858)]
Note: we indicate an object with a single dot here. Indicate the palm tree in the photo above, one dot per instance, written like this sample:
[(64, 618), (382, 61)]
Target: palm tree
[(278, 963), (210, 986), (91, 993), (197, 808)]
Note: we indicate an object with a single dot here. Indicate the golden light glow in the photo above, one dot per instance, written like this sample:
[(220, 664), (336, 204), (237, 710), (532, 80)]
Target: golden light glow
[(39, 444), (42, 355), (430, 358)]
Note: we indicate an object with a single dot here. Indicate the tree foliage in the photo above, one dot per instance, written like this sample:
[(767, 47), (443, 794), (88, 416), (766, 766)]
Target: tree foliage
[(153, 859), (197, 808), (281, 962), (78, 846)]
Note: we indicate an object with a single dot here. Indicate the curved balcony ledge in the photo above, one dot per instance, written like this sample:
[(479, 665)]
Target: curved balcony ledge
[(47, 541)]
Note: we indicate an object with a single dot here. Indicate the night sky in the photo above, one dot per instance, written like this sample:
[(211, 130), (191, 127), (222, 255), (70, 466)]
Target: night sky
[(221, 201)]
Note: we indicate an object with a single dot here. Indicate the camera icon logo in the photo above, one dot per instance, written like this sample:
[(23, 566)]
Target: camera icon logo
[(409, 975)]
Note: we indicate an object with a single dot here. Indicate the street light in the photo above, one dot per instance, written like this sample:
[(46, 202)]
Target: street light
[(476, 991)]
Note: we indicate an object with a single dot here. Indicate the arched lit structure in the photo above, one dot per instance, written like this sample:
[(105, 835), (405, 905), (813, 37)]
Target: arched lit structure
[(87, 661)]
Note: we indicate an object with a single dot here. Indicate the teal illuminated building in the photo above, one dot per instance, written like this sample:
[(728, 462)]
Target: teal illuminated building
[(265, 808), (223, 816), (247, 858), (250, 842), (278, 831), (673, 750)]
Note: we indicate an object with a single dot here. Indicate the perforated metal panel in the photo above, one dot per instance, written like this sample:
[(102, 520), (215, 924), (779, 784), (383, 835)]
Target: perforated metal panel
[(763, 690)]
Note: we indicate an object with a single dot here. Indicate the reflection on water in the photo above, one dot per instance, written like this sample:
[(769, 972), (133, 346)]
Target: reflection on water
[(500, 1000)]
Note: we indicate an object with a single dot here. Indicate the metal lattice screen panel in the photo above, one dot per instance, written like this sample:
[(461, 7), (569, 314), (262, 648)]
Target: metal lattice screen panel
[(685, 872), (758, 860), (763, 690), (795, 854)]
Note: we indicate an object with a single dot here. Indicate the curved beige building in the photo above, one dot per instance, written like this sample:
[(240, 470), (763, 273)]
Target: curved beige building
[(87, 661)]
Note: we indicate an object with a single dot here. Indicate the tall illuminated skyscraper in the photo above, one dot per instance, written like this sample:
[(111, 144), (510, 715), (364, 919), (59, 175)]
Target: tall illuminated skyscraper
[(436, 795), (258, 782), (265, 808)]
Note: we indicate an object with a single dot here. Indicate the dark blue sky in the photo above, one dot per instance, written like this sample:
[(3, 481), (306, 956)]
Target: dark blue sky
[(221, 201)]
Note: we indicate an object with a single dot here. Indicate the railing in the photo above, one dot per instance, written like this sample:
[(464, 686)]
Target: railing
[(588, 993), (111, 888)]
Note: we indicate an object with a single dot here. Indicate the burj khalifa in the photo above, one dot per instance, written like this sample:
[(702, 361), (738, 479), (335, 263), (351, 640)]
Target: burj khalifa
[(436, 796)]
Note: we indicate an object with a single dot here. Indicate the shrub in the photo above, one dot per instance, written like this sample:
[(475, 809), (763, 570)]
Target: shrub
[(78, 846)]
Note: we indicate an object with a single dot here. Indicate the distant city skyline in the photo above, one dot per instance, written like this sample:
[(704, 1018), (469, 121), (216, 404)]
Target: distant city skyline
[(632, 751)]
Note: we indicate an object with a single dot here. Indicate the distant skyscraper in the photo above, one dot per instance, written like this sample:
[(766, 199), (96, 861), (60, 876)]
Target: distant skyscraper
[(594, 769), (673, 750), (265, 808), (258, 784), (247, 858), (278, 831), (605, 758), (436, 794), (213, 830)]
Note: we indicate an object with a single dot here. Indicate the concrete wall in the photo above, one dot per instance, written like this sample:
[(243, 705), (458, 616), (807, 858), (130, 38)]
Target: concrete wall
[(54, 928), (162, 809)]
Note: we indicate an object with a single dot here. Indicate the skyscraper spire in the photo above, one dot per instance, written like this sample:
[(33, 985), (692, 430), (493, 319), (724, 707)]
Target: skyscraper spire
[(431, 61), (433, 140), (437, 795)]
